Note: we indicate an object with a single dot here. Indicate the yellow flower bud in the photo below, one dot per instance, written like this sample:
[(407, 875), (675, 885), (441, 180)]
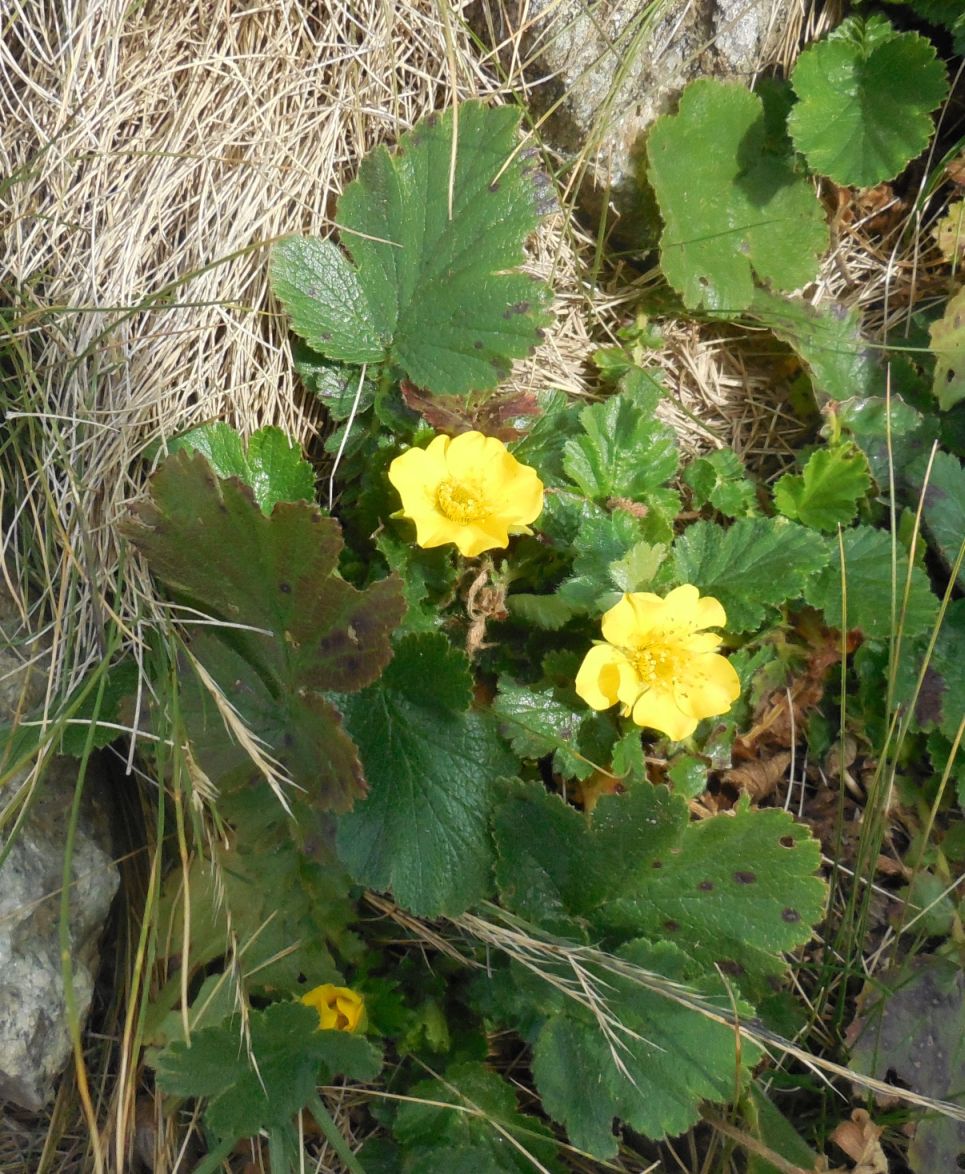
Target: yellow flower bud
[(339, 1009)]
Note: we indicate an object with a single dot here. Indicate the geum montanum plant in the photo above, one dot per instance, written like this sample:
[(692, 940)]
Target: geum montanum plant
[(623, 946)]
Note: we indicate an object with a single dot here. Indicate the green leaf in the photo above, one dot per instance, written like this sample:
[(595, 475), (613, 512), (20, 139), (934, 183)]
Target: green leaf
[(327, 301), (611, 552), (423, 830), (291, 1055), (827, 340), (70, 726), (549, 612), (948, 345), (865, 98), (556, 869), (736, 892), (873, 588), (718, 480), (946, 673), (755, 564), (337, 385), (639, 566), (435, 231), (297, 628), (732, 209), (476, 1136), (943, 515), (827, 493), (271, 465), (907, 1031), (537, 723), (663, 1060), (287, 912), (625, 451), (688, 775), (542, 446)]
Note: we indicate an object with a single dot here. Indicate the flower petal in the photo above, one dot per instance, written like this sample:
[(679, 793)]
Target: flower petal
[(657, 709), (469, 453), (700, 643), (689, 611), (475, 537), (621, 624), (518, 495), (600, 676), (706, 686), (417, 474)]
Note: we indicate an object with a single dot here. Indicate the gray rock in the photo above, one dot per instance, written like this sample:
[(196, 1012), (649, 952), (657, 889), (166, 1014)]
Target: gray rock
[(34, 1036), (603, 70)]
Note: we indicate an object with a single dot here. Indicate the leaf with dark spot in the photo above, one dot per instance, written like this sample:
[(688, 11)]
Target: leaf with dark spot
[(723, 908), (912, 1030), (211, 545)]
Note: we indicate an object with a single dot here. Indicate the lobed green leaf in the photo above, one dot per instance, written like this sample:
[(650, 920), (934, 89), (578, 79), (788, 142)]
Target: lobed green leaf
[(662, 1060), (873, 587), (271, 465), (435, 231), (865, 96), (827, 493), (625, 451), (264, 1085), (733, 210)]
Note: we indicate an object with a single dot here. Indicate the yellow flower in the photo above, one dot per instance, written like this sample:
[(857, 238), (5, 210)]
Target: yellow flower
[(466, 489), (339, 1009), (660, 662)]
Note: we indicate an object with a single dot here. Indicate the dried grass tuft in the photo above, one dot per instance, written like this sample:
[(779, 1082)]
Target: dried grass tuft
[(157, 150)]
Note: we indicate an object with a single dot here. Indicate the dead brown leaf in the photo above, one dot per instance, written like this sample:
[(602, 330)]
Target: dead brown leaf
[(759, 777), (860, 1140)]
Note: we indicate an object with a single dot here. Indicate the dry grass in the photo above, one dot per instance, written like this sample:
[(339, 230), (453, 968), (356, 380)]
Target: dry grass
[(157, 150)]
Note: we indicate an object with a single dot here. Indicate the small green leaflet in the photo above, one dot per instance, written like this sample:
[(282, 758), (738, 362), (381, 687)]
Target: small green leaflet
[(672, 1057), (873, 588), (70, 727), (432, 288), (733, 210), (865, 97), (718, 480), (431, 765), (237, 898), (292, 1057), (827, 493), (754, 564), (463, 1120), (549, 612), (270, 464), (625, 452), (947, 670), (827, 340)]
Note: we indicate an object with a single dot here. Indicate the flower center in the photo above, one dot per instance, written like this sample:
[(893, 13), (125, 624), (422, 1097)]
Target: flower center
[(460, 503), (653, 661)]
